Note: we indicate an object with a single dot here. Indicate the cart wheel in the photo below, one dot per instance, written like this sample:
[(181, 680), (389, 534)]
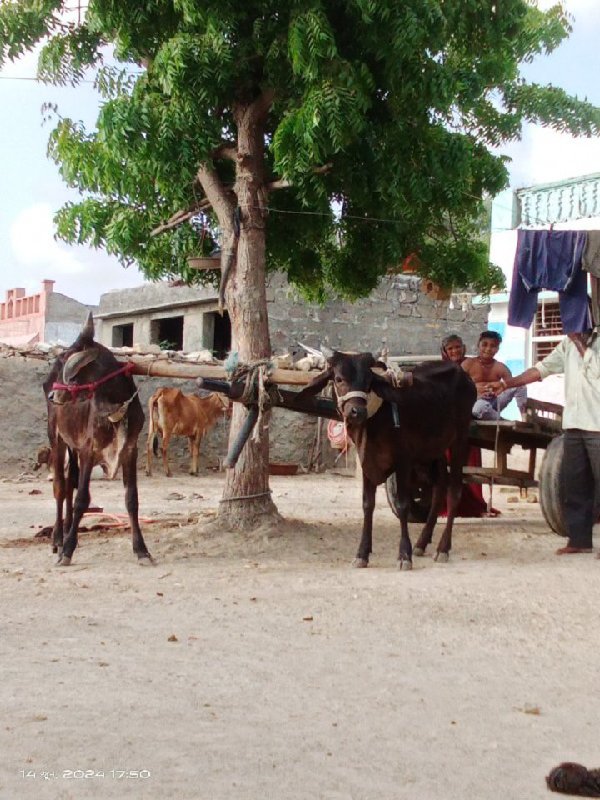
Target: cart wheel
[(550, 486), (420, 501)]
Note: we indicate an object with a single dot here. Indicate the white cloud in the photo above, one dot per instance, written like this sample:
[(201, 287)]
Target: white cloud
[(545, 155), (24, 67), (572, 6), (79, 272), (32, 240)]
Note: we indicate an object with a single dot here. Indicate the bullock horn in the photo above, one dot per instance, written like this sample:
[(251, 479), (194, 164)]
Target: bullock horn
[(381, 366), (88, 329), (316, 385), (312, 351), (77, 362)]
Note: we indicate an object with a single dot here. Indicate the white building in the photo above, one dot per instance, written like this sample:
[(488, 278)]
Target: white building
[(573, 204)]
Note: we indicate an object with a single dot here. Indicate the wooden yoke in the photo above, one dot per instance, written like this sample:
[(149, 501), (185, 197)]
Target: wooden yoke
[(277, 398)]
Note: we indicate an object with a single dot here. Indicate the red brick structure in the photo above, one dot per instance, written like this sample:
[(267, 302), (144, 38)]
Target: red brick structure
[(46, 316), (23, 317)]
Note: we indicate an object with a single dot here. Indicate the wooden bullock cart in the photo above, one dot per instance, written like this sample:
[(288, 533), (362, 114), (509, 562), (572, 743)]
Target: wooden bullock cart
[(541, 430)]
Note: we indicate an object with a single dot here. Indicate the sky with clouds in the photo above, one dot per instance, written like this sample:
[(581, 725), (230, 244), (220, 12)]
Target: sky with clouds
[(31, 189)]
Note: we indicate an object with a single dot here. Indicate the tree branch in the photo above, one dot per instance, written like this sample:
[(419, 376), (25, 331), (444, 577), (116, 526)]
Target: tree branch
[(283, 183), (257, 110), (180, 217), (225, 150), (216, 193)]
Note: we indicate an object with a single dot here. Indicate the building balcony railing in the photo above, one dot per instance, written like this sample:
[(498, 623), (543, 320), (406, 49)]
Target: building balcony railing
[(562, 201)]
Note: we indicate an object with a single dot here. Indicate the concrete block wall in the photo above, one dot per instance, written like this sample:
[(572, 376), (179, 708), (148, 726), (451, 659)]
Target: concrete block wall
[(397, 315)]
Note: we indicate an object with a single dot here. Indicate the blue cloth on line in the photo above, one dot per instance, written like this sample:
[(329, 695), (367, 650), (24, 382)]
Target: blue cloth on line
[(550, 260)]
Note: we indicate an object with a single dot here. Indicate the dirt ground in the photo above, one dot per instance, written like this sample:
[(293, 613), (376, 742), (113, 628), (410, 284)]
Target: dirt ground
[(264, 666)]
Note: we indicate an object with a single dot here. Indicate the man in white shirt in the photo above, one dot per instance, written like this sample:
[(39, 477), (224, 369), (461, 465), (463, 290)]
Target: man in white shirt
[(578, 358)]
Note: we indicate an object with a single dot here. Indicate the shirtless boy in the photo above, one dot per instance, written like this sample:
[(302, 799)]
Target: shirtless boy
[(485, 370)]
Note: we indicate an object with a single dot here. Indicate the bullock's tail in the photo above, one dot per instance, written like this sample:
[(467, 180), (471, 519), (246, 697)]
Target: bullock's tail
[(570, 778)]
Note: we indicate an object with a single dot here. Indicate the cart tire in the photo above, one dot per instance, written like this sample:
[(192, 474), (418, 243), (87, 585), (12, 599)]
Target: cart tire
[(420, 501), (550, 486)]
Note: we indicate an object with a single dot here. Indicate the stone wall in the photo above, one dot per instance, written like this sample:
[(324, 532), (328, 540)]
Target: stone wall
[(24, 421), (397, 315)]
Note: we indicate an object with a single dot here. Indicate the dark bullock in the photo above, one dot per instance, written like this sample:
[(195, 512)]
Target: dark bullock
[(95, 415), (413, 428)]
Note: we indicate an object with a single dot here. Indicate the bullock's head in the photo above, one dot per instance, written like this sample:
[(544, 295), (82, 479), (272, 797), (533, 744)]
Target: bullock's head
[(83, 362), (44, 456), (354, 383), (224, 404), (219, 403)]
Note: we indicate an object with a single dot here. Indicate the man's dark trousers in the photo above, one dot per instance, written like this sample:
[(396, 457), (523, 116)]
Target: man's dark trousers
[(580, 484)]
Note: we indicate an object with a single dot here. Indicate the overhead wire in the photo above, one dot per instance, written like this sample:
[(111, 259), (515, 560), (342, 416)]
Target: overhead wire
[(280, 210)]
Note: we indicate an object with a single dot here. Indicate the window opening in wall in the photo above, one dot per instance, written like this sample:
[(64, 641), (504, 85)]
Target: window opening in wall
[(122, 335), (547, 329), (217, 333), (167, 333)]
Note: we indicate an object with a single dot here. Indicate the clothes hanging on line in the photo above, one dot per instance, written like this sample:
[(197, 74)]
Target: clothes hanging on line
[(591, 255), (548, 259), (591, 263)]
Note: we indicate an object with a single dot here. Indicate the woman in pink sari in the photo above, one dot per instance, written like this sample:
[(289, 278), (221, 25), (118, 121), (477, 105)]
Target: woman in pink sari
[(471, 503)]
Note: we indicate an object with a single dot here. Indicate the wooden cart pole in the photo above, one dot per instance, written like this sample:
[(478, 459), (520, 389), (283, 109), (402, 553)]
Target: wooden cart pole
[(164, 368)]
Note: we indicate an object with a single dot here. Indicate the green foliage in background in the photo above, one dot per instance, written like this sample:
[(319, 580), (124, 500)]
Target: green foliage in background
[(383, 122)]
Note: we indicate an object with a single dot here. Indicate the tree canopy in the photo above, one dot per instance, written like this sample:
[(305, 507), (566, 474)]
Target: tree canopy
[(381, 119)]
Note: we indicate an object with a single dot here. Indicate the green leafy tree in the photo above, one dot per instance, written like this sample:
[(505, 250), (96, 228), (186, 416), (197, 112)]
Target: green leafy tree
[(329, 139)]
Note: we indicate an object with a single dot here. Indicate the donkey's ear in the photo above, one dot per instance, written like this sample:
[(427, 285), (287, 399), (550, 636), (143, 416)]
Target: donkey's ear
[(317, 384), (77, 362)]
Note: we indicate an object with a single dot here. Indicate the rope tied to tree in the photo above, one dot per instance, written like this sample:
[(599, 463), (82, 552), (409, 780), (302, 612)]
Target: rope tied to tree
[(257, 389)]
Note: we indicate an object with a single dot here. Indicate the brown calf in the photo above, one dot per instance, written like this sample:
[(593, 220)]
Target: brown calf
[(172, 413)]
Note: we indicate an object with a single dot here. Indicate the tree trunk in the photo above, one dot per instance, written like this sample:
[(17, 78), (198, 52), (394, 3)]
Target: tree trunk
[(247, 497)]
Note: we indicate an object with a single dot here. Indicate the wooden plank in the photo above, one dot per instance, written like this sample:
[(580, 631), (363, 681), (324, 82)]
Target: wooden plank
[(482, 434), (149, 366), (489, 474)]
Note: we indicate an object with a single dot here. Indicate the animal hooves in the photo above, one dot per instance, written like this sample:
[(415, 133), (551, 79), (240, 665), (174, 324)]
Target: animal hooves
[(146, 561), (418, 551), (63, 561), (441, 558), (405, 564), (360, 563)]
